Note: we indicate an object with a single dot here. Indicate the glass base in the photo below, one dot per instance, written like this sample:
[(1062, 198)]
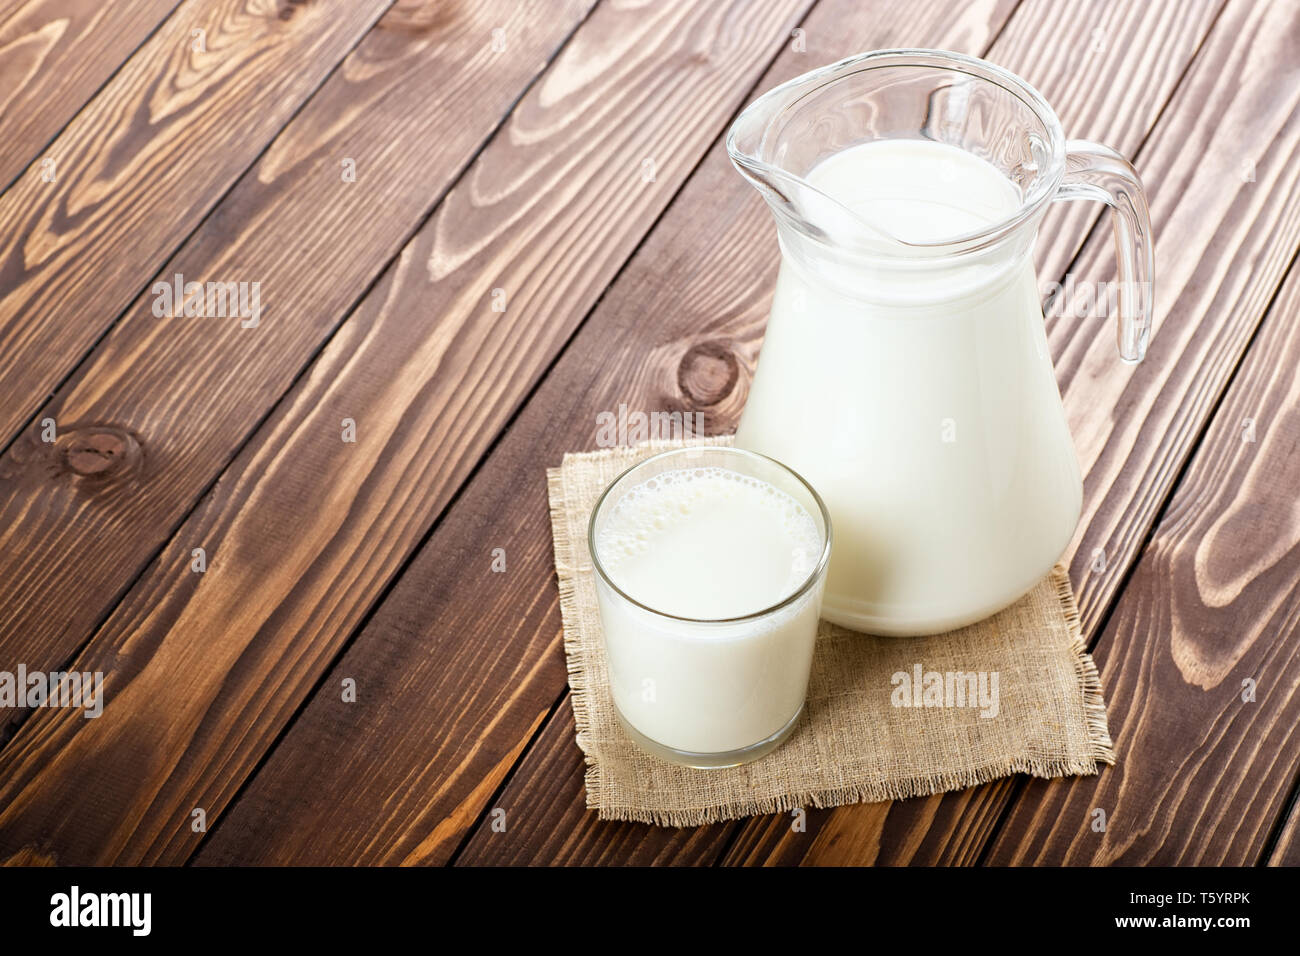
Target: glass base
[(719, 761)]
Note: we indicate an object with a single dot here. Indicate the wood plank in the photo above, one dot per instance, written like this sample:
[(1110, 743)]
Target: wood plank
[(143, 430), (1223, 244), (651, 383), (553, 792), (141, 165), (54, 55), (307, 529), (1212, 606)]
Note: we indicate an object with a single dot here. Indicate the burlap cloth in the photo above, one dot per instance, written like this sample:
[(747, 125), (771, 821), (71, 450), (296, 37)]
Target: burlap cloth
[(852, 745)]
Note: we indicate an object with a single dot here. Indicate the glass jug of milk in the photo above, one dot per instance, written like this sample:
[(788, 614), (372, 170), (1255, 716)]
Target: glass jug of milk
[(905, 370)]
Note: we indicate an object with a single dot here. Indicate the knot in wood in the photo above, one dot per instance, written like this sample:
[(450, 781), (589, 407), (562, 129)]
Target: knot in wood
[(99, 451), (707, 373)]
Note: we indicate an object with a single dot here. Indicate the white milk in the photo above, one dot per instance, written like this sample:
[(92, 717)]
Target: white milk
[(708, 543), (919, 401)]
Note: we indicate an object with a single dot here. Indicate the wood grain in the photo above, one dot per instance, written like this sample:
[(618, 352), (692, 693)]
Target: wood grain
[(54, 54), (1227, 190), (1210, 617), (1222, 177), (561, 185), (1287, 850), (143, 428), (1223, 245), (450, 623), (140, 166), (552, 791), (459, 669)]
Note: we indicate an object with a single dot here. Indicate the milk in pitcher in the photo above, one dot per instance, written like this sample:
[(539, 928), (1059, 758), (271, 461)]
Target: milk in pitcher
[(919, 401)]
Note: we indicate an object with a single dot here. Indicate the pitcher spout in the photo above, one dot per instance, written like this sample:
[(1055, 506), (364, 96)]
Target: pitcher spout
[(776, 160)]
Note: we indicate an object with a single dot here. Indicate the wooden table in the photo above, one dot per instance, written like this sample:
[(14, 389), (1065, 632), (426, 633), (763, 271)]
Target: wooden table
[(307, 543)]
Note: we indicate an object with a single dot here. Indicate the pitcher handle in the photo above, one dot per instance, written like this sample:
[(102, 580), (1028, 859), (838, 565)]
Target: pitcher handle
[(1094, 171)]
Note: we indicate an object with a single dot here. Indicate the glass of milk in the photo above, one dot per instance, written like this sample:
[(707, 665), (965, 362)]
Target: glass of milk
[(710, 565)]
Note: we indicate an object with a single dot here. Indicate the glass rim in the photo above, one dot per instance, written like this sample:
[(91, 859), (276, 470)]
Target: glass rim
[(805, 586), (1042, 191)]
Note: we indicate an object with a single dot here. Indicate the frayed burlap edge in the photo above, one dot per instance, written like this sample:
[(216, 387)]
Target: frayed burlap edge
[(575, 661), (1094, 702)]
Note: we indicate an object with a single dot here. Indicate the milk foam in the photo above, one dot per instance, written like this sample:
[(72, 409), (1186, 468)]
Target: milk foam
[(708, 543)]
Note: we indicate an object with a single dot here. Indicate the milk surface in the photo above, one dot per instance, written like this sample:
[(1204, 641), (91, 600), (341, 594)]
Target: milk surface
[(919, 399), (917, 190), (708, 543)]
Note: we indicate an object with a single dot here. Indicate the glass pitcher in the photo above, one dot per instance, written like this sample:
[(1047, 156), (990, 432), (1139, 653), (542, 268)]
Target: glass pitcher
[(905, 371)]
